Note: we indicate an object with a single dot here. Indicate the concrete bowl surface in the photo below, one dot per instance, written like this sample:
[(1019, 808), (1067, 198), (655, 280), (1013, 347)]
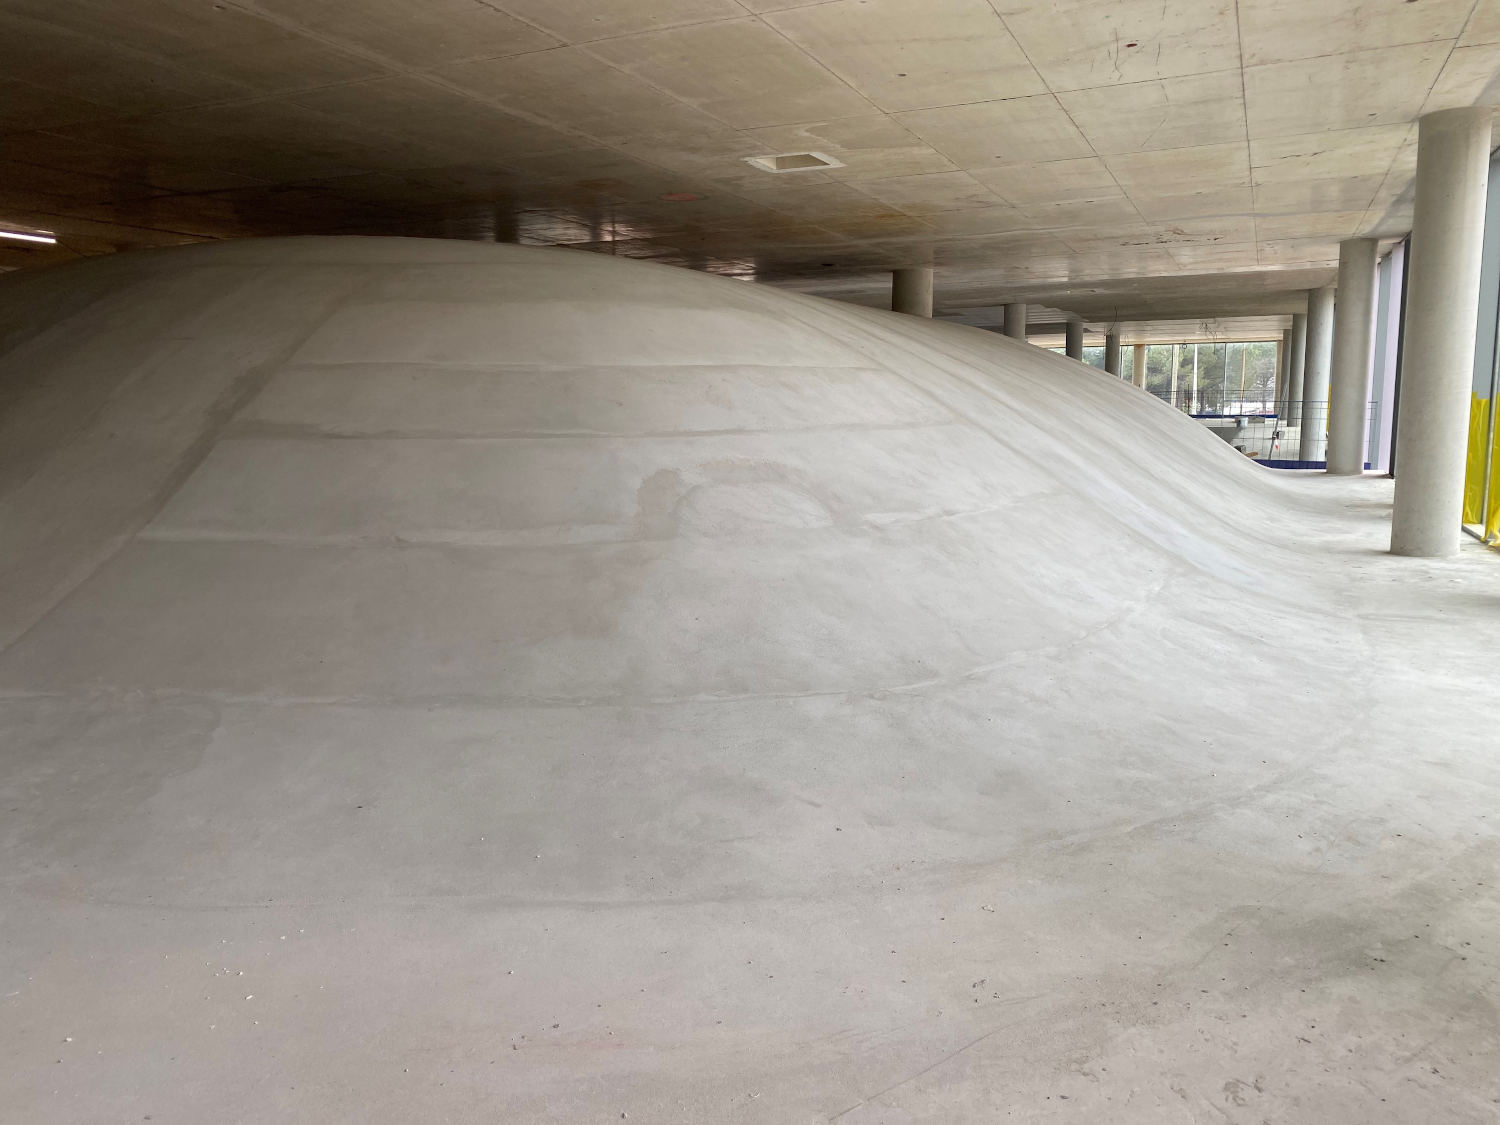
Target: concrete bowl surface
[(457, 682)]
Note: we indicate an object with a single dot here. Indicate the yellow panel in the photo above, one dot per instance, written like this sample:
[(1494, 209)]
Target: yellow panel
[(1474, 498)]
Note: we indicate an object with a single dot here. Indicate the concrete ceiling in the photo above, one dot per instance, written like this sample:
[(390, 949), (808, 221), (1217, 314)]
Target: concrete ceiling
[(1115, 158)]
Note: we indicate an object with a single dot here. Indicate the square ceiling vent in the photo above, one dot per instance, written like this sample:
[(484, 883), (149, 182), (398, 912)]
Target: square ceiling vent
[(794, 162)]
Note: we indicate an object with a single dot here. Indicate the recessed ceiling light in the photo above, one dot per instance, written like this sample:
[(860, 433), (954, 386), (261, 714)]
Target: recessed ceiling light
[(23, 236), (794, 162)]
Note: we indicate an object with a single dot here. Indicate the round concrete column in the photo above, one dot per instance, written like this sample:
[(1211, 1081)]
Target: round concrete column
[(1437, 356), (911, 291), (1294, 371), (1074, 346), (1283, 366), (1138, 366), (1015, 320), (1112, 353), (1353, 354), (1315, 373)]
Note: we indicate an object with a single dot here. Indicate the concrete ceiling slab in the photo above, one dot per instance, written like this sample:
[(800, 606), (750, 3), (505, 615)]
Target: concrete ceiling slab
[(1176, 170), (1078, 131), (1483, 25), (415, 33), (1311, 196), (1340, 155), (741, 71), (1015, 131), (766, 6), (27, 107), (937, 191), (1198, 109), (914, 54), (1220, 228), (1322, 224), (1054, 181), (1468, 78), (584, 21), (1299, 251), (1081, 44), (1110, 211), (872, 147), (999, 219), (118, 77), (1215, 255), (1236, 200), (1283, 32), (573, 88), (1385, 86)]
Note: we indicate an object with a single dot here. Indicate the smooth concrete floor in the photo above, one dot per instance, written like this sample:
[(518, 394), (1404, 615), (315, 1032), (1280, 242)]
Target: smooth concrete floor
[(460, 683)]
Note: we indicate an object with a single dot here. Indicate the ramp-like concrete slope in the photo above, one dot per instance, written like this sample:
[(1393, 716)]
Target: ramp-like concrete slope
[(449, 682)]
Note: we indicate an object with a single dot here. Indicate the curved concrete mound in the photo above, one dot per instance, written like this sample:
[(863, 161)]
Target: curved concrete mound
[(458, 682)]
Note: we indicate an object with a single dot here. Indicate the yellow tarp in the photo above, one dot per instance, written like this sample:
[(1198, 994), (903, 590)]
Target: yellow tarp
[(1479, 436)]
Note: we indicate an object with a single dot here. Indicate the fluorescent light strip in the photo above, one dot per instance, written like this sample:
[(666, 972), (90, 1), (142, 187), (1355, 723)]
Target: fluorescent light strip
[(19, 236)]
